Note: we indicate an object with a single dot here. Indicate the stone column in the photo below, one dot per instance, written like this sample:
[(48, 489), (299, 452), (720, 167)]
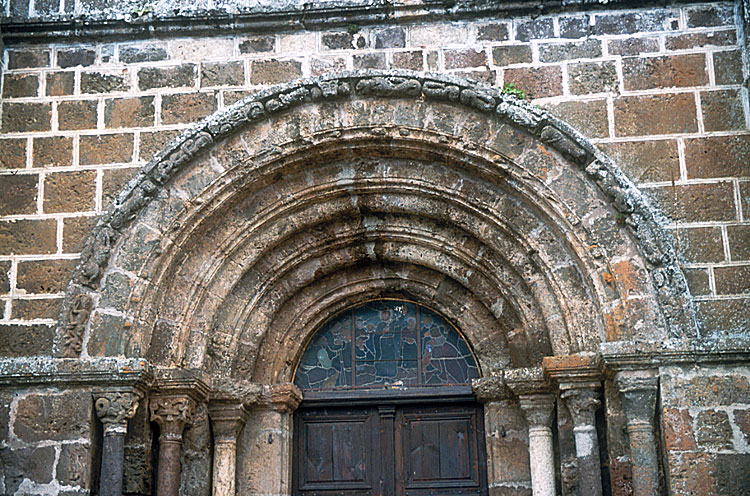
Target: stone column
[(114, 409), (172, 413), (538, 410), (227, 417), (537, 404), (638, 393), (579, 380), (582, 402)]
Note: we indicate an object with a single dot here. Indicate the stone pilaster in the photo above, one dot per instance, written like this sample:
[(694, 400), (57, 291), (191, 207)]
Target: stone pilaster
[(172, 413), (537, 404), (228, 417), (638, 391), (114, 409), (500, 410)]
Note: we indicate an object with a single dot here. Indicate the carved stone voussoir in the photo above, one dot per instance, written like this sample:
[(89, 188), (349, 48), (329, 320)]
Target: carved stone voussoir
[(284, 397), (114, 409), (396, 84)]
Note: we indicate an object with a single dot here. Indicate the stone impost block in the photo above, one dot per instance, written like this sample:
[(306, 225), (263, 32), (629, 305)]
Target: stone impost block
[(527, 381), (284, 398), (579, 370)]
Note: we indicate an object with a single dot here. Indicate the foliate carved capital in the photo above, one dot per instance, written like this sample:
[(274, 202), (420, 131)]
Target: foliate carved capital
[(488, 389), (638, 394), (582, 404), (284, 397), (172, 413), (114, 409), (538, 409)]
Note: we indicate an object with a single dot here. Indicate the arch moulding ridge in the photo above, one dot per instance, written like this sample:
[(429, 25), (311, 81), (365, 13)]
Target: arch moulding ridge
[(642, 221)]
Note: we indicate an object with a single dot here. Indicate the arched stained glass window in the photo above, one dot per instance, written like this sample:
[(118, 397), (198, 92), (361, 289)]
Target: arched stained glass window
[(385, 342)]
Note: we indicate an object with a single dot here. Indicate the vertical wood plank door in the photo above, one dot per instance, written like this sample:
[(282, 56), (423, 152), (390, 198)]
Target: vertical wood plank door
[(402, 450)]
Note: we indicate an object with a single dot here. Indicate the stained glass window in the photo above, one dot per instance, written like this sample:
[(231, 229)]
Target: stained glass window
[(382, 343)]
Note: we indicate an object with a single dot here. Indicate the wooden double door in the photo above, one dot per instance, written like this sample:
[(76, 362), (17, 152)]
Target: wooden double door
[(390, 450)]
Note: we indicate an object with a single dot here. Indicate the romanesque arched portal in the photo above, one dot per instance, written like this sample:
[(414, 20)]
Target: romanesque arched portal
[(222, 257)]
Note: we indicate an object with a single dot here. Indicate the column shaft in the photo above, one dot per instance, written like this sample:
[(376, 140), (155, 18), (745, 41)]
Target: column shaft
[(168, 478), (114, 408), (645, 464), (587, 452), (228, 416), (172, 413), (542, 460), (113, 454), (225, 467), (538, 410)]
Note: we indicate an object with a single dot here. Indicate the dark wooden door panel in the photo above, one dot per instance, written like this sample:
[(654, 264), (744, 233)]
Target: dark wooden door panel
[(389, 451), (334, 451), (440, 451)]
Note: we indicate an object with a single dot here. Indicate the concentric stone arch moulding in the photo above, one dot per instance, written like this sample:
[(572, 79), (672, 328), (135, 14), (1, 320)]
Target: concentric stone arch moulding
[(644, 221)]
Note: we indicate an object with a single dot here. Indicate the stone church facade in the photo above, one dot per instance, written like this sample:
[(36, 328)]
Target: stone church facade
[(191, 191)]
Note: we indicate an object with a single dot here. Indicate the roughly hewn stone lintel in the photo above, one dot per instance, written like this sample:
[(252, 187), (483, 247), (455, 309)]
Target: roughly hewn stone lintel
[(116, 373)]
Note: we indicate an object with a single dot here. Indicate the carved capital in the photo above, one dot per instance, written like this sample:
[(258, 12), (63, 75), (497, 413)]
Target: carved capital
[(172, 413), (538, 409), (115, 408), (638, 394), (227, 417), (488, 389), (582, 403), (284, 397)]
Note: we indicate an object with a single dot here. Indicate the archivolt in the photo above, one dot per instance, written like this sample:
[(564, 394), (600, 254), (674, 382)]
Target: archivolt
[(232, 245)]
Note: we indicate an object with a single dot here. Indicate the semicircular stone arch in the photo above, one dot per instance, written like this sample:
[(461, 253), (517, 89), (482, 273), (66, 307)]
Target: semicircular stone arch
[(233, 244)]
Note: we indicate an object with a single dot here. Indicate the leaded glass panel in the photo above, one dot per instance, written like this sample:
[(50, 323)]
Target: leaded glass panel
[(385, 342)]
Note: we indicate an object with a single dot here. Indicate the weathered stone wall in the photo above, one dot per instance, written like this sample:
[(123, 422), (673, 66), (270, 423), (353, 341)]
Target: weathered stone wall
[(706, 422), (663, 90)]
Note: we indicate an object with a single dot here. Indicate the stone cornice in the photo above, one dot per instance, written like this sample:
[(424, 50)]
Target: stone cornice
[(628, 355), (122, 20), (115, 373)]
